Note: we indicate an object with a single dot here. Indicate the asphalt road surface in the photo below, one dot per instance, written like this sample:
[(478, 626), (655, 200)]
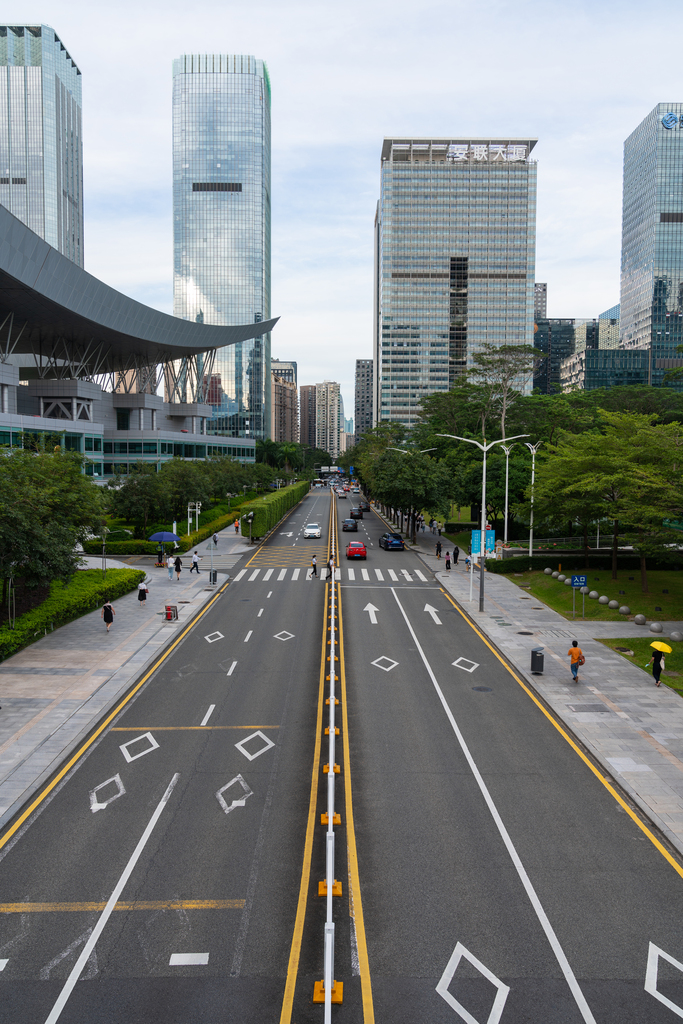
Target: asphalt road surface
[(487, 872)]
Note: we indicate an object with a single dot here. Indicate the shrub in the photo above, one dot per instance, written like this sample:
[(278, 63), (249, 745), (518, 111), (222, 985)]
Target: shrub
[(86, 591), (575, 562), (121, 547)]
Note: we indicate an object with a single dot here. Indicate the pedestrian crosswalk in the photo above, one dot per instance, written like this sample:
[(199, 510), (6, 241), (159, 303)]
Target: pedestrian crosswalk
[(343, 574)]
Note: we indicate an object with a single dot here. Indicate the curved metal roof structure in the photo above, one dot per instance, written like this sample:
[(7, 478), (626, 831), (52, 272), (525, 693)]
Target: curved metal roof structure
[(55, 310)]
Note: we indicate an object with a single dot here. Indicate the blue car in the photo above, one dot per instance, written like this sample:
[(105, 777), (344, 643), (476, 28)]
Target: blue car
[(392, 542)]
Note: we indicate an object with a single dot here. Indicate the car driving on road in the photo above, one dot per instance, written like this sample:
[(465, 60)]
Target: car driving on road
[(350, 524), (312, 530), (364, 506), (392, 542), (356, 549), (356, 513)]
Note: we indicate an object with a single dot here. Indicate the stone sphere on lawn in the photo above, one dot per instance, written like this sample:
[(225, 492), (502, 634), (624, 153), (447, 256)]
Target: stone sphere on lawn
[(561, 578), (640, 620), (624, 610), (583, 590), (593, 595), (555, 574), (613, 605), (676, 636), (568, 581), (656, 627), (603, 600), (548, 572)]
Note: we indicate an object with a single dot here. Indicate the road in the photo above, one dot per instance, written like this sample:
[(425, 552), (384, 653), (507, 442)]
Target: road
[(487, 872)]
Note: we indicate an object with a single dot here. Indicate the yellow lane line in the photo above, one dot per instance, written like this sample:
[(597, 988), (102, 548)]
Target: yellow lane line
[(606, 783), (184, 728), (354, 873), (103, 725), (51, 908)]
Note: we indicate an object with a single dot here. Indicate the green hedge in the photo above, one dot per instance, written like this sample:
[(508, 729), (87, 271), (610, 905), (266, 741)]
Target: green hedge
[(121, 547), (460, 527), (269, 510), (576, 562), (67, 601)]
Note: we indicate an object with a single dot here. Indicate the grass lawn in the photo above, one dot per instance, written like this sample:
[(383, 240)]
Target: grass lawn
[(461, 539), (558, 596), (642, 652)]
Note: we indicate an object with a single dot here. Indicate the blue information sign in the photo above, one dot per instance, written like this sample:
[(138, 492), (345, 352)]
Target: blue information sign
[(490, 541), (579, 581)]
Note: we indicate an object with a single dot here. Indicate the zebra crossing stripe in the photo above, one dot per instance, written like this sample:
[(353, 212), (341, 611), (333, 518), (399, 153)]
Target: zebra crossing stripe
[(295, 574), (239, 575), (365, 574), (420, 576), (393, 576), (268, 575), (352, 574), (379, 575), (254, 575), (282, 574)]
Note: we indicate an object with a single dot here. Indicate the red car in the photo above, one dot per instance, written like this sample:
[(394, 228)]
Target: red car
[(356, 549)]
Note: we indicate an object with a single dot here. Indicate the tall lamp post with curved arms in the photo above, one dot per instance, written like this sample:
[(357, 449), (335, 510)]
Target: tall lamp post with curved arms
[(482, 552), (507, 448), (533, 448), (407, 451)]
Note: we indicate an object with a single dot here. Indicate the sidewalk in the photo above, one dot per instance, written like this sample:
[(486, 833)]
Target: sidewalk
[(632, 728)]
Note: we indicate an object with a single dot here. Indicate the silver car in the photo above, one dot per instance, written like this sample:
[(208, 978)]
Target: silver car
[(312, 530)]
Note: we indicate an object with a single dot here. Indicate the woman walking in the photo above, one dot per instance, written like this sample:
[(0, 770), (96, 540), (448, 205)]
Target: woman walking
[(448, 560), (108, 613), (438, 549), (142, 593), (178, 565), (169, 566), (658, 663)]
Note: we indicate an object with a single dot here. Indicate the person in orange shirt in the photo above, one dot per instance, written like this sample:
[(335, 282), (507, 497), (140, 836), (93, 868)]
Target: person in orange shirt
[(576, 654)]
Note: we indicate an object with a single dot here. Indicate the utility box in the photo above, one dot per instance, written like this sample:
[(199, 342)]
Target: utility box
[(213, 576), (537, 659), (171, 612)]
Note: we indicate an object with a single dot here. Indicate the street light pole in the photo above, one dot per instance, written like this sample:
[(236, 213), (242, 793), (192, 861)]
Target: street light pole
[(533, 448), (482, 547), (507, 448)]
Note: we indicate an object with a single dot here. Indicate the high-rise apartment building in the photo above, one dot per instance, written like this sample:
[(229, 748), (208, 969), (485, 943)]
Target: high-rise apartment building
[(540, 301), (41, 141), (363, 398), (651, 318), (307, 415), (327, 398), (455, 234), (284, 411), (221, 224)]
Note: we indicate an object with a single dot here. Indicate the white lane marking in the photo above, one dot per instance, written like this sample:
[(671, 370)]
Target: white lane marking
[(365, 574), (282, 574), (268, 594), (207, 716), (246, 639), (70, 983), (295, 574), (153, 745), (188, 959), (212, 637), (421, 576), (387, 667), (97, 805), (653, 955), (268, 575), (239, 575), (573, 984), (465, 664), (3, 964), (393, 576), (243, 750), (432, 611), (371, 610), (460, 953), (254, 575), (232, 668), (238, 801), (260, 613), (379, 575), (404, 572), (283, 635), (352, 574)]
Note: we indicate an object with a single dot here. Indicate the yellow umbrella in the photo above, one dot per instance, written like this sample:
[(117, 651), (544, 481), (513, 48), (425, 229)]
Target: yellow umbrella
[(661, 646)]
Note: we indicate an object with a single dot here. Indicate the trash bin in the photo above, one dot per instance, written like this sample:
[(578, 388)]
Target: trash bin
[(537, 659), (213, 576), (171, 611)]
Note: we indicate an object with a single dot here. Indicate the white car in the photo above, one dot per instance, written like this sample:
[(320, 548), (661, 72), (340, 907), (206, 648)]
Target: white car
[(311, 530)]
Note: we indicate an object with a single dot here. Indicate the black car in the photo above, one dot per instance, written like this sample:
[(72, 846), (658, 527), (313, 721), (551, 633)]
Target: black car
[(364, 506), (356, 513), (350, 524), (392, 542)]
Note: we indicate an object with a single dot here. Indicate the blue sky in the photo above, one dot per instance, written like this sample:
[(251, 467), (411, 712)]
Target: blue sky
[(578, 76)]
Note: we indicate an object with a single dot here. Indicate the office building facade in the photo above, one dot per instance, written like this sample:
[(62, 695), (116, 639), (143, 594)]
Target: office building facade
[(363, 398), (540, 301), (327, 430), (221, 224), (652, 241), (285, 369), (307, 415), (455, 233), (41, 140)]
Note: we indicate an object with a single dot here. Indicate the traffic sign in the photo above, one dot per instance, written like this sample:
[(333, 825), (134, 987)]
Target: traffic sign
[(579, 581)]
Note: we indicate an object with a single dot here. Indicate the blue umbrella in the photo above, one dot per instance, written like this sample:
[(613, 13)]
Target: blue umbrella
[(164, 536)]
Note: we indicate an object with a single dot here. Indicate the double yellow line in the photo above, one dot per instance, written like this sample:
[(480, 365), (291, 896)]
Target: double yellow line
[(355, 901)]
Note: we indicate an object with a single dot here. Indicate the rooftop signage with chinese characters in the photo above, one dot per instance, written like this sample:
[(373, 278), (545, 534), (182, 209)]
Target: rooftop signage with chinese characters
[(486, 153)]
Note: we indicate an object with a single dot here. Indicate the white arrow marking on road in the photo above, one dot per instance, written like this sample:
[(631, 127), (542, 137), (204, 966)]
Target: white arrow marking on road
[(371, 609), (239, 801), (95, 804), (432, 612), (286, 534)]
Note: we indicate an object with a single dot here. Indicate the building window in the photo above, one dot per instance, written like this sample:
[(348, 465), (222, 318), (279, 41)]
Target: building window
[(149, 447), (123, 419), (108, 448), (216, 186), (120, 447)]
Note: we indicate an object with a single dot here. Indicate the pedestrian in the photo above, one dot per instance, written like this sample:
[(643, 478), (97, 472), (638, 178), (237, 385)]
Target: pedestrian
[(423, 526), (169, 566), (237, 526), (576, 654), (438, 526), (195, 563), (658, 664), (215, 540), (467, 563), (456, 554), (448, 560), (314, 568), (330, 569), (178, 566), (142, 593), (438, 549), (108, 613)]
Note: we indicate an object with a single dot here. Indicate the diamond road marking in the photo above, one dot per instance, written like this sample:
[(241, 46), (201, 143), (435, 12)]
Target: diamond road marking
[(241, 747), (389, 663), (133, 757), (460, 953), (284, 636), (653, 956), (212, 637), (188, 959), (95, 804), (238, 801), (466, 665)]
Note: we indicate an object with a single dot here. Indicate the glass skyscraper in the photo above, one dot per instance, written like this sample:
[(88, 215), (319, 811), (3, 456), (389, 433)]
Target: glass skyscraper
[(221, 224), (455, 237), (41, 142), (652, 240)]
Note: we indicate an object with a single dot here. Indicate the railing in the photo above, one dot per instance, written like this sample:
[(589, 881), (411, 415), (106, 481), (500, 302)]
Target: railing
[(329, 838)]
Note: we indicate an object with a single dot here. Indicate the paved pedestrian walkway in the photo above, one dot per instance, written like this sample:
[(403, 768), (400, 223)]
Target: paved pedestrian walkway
[(633, 728)]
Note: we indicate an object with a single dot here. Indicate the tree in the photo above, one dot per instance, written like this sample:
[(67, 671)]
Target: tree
[(140, 497), (411, 481), (503, 372), (181, 482)]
